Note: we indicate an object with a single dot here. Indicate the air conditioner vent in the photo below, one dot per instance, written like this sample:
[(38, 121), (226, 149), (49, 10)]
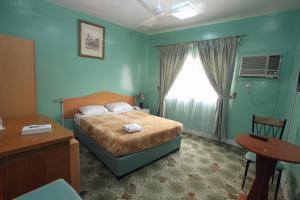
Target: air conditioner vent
[(260, 66)]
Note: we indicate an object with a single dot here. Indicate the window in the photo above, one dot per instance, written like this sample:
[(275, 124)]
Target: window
[(192, 83)]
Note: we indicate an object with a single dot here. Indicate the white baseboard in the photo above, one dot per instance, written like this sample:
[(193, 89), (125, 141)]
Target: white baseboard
[(209, 136), (198, 133)]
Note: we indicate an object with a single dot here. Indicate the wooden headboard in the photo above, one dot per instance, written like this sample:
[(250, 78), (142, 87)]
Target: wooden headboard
[(71, 105)]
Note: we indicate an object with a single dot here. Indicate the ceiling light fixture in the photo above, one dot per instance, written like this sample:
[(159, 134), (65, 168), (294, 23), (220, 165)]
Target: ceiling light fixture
[(185, 11)]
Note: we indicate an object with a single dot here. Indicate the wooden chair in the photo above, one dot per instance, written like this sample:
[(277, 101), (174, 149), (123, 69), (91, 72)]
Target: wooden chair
[(269, 127)]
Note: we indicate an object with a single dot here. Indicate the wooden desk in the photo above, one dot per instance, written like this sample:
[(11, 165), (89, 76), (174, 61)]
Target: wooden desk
[(28, 162), (267, 154)]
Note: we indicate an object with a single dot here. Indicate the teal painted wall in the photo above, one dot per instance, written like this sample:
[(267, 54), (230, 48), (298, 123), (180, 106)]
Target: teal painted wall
[(274, 33), (293, 170), (60, 71)]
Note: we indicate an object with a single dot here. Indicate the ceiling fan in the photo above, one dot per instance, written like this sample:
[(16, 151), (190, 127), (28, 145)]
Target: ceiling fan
[(157, 10), (182, 10)]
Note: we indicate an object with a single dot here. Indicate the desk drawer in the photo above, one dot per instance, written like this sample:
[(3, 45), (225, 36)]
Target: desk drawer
[(26, 171)]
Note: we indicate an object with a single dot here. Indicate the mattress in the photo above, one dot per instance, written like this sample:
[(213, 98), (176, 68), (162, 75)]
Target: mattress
[(107, 131)]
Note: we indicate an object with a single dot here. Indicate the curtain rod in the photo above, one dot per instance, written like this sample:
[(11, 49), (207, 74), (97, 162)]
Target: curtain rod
[(238, 36)]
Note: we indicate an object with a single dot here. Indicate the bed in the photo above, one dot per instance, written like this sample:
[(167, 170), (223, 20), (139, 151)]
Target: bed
[(119, 151)]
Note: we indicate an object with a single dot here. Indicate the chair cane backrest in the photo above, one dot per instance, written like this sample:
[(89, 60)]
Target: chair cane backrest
[(268, 126)]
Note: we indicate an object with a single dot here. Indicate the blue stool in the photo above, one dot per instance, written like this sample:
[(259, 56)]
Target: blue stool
[(58, 190)]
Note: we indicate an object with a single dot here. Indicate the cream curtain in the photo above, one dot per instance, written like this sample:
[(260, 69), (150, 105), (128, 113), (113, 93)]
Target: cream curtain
[(171, 61), (218, 60)]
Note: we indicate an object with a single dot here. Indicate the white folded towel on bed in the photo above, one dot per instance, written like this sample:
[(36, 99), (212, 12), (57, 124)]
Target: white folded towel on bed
[(131, 128)]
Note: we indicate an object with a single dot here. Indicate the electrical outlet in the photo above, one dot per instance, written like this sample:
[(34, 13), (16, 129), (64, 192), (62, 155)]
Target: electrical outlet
[(248, 85)]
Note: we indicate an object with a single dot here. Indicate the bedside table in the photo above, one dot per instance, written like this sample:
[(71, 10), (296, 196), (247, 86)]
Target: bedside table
[(145, 110)]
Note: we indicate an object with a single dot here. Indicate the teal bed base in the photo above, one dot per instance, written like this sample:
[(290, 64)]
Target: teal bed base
[(121, 166)]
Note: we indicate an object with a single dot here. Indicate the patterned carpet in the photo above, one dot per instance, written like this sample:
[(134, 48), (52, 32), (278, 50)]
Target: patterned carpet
[(202, 169)]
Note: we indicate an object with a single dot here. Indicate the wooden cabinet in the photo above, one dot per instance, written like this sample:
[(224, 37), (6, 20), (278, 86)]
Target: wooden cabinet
[(17, 77), (28, 162)]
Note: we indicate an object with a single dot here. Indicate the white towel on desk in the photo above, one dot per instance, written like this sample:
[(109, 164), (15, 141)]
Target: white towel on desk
[(131, 128)]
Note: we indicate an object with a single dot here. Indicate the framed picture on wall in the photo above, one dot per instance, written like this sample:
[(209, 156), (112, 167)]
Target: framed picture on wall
[(91, 40)]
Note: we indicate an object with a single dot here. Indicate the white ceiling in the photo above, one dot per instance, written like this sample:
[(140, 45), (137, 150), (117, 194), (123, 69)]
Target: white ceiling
[(134, 15)]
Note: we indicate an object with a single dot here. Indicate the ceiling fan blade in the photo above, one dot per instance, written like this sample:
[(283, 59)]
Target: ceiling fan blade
[(146, 5), (158, 10), (154, 8)]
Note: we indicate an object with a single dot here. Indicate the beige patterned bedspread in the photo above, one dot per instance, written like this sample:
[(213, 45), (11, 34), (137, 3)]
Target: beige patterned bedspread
[(107, 131)]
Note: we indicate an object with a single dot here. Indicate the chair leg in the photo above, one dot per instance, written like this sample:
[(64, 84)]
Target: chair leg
[(245, 174), (272, 180), (278, 184)]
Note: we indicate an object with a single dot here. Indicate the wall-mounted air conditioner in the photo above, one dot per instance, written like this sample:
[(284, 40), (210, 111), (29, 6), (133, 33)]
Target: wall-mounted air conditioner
[(260, 66)]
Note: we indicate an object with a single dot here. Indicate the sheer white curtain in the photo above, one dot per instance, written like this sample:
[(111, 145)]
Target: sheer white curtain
[(192, 100)]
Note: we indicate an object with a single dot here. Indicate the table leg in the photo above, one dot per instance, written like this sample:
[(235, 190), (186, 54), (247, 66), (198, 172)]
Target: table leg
[(242, 197), (264, 169)]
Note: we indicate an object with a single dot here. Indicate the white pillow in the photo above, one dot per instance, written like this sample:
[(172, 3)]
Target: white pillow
[(93, 109), (119, 106)]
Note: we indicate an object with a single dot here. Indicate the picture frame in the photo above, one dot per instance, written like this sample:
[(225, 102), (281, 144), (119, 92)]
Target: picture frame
[(91, 39)]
